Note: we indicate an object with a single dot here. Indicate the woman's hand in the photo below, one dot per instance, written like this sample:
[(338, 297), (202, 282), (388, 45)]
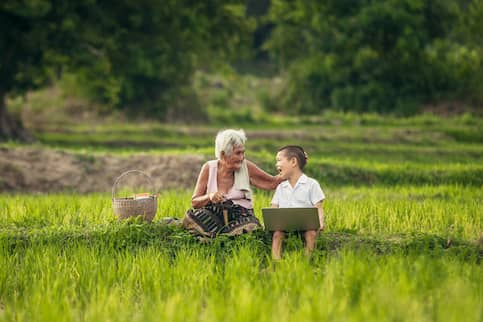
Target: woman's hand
[(216, 197)]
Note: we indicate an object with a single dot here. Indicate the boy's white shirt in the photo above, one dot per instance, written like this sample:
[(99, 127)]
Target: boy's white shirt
[(306, 193)]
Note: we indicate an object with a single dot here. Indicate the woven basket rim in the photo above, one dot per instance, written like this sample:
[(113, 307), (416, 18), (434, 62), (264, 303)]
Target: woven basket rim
[(151, 196)]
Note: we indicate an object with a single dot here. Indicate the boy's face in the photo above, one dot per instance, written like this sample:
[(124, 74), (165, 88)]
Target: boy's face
[(284, 165)]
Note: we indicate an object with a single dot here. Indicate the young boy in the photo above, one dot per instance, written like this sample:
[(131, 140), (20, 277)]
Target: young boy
[(297, 191)]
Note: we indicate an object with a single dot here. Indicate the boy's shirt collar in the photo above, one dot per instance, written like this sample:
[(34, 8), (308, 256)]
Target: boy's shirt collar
[(303, 179)]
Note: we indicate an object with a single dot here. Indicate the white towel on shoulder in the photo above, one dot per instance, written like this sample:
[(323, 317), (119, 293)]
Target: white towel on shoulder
[(242, 180)]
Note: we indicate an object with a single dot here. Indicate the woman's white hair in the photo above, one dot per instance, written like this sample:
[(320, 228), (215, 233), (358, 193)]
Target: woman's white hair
[(227, 139)]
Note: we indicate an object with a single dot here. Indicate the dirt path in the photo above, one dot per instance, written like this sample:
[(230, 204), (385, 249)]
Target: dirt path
[(38, 170)]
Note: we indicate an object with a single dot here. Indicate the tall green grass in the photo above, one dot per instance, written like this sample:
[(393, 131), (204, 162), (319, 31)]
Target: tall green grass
[(441, 210), (212, 283), (389, 254)]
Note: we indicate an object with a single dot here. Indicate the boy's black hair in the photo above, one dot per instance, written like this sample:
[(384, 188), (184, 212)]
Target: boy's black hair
[(295, 151)]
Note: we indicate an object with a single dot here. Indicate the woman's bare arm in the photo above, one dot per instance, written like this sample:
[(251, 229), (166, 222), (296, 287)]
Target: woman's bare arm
[(200, 197), (261, 179)]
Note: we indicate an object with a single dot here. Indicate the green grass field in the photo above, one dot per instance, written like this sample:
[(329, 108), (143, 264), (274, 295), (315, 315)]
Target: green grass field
[(403, 240)]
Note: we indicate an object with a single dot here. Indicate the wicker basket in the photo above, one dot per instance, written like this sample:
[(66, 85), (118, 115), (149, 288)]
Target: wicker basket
[(144, 205)]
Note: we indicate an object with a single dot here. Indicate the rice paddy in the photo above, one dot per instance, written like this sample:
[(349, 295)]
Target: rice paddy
[(403, 238)]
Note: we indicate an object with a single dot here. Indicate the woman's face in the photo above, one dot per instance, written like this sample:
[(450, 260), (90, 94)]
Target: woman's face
[(284, 165), (235, 159)]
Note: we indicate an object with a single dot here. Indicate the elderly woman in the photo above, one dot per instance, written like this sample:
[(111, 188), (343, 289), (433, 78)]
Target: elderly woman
[(222, 199)]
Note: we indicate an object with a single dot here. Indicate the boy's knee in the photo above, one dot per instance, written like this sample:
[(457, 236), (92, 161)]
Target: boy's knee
[(311, 234), (278, 234)]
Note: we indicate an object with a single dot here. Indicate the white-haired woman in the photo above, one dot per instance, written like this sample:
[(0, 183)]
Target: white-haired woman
[(222, 199)]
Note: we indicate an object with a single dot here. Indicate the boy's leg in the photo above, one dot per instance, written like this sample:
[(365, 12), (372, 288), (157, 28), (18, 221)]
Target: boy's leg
[(310, 239), (277, 240)]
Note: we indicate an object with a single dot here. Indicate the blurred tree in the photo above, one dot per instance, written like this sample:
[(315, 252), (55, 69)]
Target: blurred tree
[(470, 31), (136, 55), (148, 50), (372, 55), (259, 9), (22, 60)]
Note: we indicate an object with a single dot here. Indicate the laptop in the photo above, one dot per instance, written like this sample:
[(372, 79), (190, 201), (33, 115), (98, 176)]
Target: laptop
[(291, 219)]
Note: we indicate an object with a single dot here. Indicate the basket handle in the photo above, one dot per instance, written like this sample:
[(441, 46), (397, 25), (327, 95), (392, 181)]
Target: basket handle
[(114, 186)]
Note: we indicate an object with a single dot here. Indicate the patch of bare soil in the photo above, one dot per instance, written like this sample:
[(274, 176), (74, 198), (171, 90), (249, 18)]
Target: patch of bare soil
[(37, 170)]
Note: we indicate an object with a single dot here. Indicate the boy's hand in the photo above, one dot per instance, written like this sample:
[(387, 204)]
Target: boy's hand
[(322, 226)]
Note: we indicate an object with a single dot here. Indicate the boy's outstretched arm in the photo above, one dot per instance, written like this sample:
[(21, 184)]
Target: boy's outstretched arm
[(320, 210)]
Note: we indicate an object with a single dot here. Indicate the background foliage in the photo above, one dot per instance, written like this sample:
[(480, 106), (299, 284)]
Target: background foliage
[(137, 55), (144, 57), (377, 56)]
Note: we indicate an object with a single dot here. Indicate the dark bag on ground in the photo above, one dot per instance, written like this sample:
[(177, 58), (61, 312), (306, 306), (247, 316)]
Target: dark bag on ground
[(224, 218)]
